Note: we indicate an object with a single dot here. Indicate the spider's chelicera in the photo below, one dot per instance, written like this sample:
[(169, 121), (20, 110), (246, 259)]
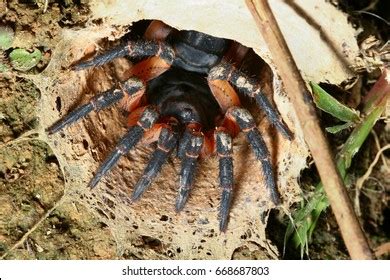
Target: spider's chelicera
[(180, 95)]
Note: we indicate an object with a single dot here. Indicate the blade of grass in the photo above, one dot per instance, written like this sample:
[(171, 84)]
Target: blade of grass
[(329, 104), (356, 140), (337, 128), (305, 219)]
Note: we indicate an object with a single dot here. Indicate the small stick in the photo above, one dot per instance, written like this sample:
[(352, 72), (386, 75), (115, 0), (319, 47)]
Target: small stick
[(295, 87)]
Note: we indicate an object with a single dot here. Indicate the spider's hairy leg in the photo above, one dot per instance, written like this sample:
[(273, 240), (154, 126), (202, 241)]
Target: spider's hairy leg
[(97, 103), (131, 88), (224, 93), (183, 143), (127, 142), (157, 30), (226, 97), (188, 167), (247, 124), (225, 151), (167, 141), (186, 137), (136, 49), (249, 86)]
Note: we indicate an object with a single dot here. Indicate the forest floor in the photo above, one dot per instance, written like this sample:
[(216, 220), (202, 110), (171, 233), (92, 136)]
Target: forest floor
[(31, 180)]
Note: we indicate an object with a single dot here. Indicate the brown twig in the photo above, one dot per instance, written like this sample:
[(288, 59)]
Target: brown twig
[(295, 87)]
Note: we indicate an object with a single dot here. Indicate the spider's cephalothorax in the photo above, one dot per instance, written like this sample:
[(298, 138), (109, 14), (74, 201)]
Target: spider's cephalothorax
[(180, 95)]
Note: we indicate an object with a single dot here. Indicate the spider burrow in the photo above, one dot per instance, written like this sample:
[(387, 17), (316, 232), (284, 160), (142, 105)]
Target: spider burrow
[(180, 94)]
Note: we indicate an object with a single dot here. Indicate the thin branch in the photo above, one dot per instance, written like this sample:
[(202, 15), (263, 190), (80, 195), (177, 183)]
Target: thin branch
[(20, 242), (295, 87), (378, 145)]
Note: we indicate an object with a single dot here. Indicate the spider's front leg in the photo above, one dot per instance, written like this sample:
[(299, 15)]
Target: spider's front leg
[(250, 87), (133, 88), (129, 92), (134, 49)]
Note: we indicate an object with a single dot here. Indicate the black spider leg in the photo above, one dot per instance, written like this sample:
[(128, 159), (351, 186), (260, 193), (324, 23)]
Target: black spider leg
[(249, 86), (184, 141), (140, 48), (246, 123), (99, 102), (128, 141), (166, 143), (188, 167), (225, 151)]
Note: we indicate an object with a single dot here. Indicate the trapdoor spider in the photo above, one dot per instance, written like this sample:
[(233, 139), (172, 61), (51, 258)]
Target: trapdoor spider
[(181, 94)]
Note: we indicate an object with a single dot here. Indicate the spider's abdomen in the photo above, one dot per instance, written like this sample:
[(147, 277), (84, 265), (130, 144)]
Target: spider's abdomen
[(196, 51), (184, 95)]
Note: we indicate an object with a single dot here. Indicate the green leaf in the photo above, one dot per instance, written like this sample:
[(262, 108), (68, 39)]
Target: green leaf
[(357, 138), (329, 104), (305, 219), (23, 60), (337, 128)]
